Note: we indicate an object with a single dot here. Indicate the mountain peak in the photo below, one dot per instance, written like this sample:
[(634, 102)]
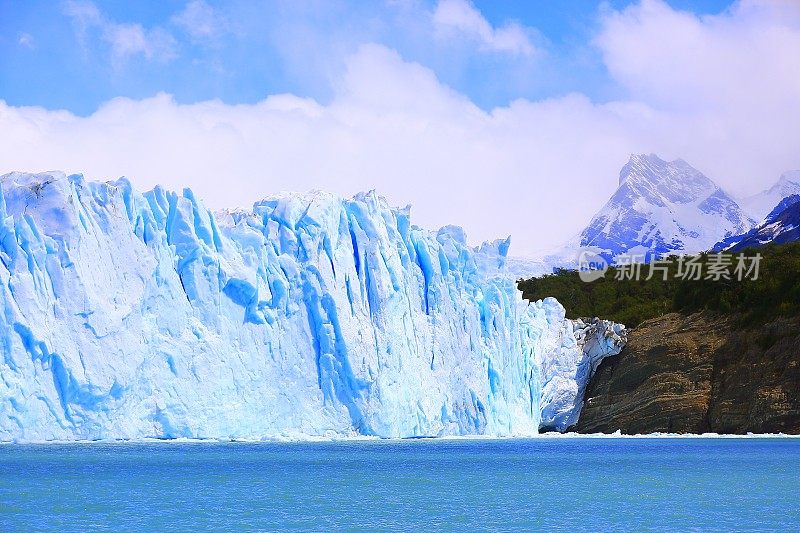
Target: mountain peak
[(640, 164), (663, 206), (660, 182), (762, 203), (653, 169), (788, 180), (645, 158)]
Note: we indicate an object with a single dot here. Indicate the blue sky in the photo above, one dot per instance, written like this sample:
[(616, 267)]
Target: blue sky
[(503, 117), (255, 49)]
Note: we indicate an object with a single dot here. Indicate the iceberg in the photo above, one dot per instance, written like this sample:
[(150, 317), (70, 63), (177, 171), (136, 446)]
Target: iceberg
[(130, 315)]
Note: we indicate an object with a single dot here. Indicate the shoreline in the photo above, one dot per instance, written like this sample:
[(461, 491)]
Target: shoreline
[(369, 439)]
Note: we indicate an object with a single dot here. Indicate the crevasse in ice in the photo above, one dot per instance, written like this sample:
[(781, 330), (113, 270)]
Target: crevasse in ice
[(128, 315)]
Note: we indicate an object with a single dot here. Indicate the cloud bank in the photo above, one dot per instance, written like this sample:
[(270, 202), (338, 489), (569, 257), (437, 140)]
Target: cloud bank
[(719, 91)]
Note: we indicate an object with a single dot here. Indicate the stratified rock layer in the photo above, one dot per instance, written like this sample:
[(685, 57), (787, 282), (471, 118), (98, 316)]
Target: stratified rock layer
[(698, 374)]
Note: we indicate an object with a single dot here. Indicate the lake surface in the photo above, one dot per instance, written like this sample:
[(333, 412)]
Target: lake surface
[(546, 483)]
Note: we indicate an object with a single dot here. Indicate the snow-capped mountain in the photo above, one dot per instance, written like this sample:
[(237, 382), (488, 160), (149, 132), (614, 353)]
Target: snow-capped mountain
[(781, 226), (757, 206), (128, 315), (662, 207)]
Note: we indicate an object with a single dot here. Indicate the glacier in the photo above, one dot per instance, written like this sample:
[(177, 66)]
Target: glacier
[(130, 315)]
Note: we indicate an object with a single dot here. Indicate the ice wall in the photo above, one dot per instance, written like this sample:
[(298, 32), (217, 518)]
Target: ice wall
[(128, 315)]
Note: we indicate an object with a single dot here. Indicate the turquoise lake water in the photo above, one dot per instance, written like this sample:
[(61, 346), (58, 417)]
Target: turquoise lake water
[(501, 485)]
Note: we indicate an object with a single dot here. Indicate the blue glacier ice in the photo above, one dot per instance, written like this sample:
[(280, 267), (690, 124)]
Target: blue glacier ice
[(129, 315)]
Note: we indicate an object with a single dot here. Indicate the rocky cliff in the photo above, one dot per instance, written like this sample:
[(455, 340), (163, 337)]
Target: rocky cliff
[(698, 373)]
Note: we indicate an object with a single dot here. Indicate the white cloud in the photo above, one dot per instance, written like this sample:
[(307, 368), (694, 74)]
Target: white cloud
[(731, 80), (534, 169), (124, 39), (26, 40), (681, 60), (463, 17), (200, 21), (131, 39), (84, 15)]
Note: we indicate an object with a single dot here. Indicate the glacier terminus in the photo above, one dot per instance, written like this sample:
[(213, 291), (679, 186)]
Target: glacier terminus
[(130, 315)]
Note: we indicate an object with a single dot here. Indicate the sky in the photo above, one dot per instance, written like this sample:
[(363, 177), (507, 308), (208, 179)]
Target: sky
[(507, 118)]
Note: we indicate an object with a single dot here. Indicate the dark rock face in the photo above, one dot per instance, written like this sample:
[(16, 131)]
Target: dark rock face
[(697, 374)]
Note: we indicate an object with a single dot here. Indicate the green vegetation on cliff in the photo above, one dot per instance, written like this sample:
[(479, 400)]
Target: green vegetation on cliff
[(775, 293)]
